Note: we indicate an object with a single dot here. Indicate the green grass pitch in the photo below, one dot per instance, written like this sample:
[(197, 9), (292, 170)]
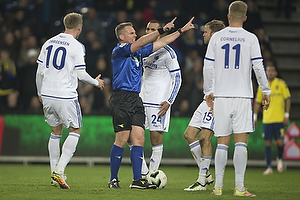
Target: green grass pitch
[(33, 182)]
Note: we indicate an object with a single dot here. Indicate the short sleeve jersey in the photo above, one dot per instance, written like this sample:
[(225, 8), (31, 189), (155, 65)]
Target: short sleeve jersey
[(161, 79), (127, 67), (59, 58), (279, 93), (232, 51)]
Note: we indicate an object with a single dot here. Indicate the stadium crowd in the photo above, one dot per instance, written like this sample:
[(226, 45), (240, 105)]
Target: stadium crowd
[(26, 24)]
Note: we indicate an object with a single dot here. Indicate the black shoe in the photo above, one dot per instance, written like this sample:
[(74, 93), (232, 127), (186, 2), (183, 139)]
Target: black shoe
[(114, 184), (142, 184)]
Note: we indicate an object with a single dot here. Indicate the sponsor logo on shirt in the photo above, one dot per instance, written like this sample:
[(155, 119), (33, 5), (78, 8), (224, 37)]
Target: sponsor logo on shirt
[(151, 64)]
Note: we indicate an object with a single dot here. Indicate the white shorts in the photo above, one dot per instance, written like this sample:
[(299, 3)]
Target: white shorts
[(66, 112), (233, 115), (155, 123), (202, 117)]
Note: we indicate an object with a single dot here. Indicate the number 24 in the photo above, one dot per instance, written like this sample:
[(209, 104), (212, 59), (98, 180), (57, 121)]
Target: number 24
[(155, 119)]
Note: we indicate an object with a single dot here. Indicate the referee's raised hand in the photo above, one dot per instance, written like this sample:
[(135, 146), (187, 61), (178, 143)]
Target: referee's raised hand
[(170, 25), (188, 25)]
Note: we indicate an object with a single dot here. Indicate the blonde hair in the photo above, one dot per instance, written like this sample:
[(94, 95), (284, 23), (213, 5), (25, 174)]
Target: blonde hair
[(215, 25), (72, 20), (237, 11), (119, 30)]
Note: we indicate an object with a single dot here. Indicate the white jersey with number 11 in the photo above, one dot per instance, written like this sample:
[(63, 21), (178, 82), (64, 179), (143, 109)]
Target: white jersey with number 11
[(230, 57)]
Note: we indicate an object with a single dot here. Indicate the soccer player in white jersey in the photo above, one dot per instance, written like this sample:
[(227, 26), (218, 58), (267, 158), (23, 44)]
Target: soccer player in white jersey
[(231, 55), (60, 64), (203, 121), (161, 81)]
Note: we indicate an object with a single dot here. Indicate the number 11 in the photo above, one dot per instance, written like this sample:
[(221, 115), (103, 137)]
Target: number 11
[(237, 48)]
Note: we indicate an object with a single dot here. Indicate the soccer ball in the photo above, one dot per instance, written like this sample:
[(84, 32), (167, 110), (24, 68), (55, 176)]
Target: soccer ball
[(158, 178)]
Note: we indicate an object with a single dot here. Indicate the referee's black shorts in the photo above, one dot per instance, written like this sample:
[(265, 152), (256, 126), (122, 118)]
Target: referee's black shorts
[(126, 109)]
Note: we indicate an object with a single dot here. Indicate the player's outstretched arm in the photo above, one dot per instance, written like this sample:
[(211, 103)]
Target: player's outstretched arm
[(170, 38), (148, 38)]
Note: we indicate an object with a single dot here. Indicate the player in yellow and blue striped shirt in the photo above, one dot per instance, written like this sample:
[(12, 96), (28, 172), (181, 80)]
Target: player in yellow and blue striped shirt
[(275, 118)]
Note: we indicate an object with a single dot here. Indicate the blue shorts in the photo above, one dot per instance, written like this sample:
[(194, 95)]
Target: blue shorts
[(275, 130)]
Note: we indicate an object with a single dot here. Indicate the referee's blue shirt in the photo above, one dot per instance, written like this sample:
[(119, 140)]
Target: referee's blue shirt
[(127, 67)]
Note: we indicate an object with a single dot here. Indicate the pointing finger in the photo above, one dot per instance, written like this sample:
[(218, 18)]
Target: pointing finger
[(191, 19), (174, 20)]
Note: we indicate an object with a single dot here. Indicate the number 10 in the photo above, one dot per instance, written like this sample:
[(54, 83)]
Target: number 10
[(237, 48)]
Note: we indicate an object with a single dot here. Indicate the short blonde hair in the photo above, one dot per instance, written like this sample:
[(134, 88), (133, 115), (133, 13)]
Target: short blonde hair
[(215, 25), (72, 20), (119, 30), (237, 11)]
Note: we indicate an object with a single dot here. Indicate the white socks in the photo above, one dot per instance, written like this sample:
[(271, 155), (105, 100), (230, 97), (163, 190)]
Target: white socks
[(68, 149), (54, 150), (240, 163), (204, 167), (156, 156), (145, 169), (196, 151), (155, 160), (220, 163)]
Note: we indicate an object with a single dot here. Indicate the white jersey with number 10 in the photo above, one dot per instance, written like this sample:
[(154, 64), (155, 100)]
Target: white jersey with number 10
[(60, 56)]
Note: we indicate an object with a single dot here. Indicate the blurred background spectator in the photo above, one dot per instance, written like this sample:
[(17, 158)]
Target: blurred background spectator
[(26, 24), (285, 5), (28, 100), (8, 82)]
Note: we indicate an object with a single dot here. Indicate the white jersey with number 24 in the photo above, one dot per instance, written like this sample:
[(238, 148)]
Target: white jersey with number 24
[(161, 78)]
